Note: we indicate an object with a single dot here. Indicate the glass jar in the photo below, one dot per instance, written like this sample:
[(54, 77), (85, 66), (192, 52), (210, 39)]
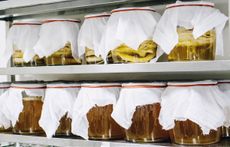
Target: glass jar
[(91, 114), (30, 115), (187, 31), (131, 41), (57, 108), (186, 109), (145, 126), (32, 100), (62, 57), (101, 125), (137, 111), (188, 132), (61, 49), (27, 33), (190, 49), (88, 43)]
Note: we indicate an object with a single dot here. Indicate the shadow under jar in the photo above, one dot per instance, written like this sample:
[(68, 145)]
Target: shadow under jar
[(189, 133), (190, 49), (145, 125), (101, 124), (29, 117), (64, 129)]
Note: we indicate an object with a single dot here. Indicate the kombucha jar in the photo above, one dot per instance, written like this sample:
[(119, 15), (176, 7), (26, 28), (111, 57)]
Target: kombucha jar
[(32, 101), (56, 114), (139, 117), (97, 100), (185, 112), (185, 32)]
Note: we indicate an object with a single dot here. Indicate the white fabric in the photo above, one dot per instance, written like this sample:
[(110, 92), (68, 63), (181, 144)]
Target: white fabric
[(131, 97), (224, 86), (13, 104), (129, 27), (54, 36), (91, 32), (58, 101), (200, 104), (199, 18), (21, 37), (4, 122), (87, 99)]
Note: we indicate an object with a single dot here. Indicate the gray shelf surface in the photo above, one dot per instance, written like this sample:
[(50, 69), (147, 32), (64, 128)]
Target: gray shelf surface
[(76, 142), (199, 70)]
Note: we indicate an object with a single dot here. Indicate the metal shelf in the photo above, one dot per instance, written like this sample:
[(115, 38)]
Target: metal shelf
[(70, 142), (77, 142), (68, 7), (219, 69)]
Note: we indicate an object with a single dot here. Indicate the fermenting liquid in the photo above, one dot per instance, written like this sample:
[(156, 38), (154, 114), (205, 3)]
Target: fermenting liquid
[(29, 117), (188, 132), (191, 49), (145, 125), (101, 124)]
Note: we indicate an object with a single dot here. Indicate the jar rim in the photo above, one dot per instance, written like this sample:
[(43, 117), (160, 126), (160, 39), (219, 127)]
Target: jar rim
[(191, 84), (223, 81), (63, 85), (144, 85), (98, 15), (127, 9), (100, 85), (196, 4), (28, 86), (61, 20), (26, 23)]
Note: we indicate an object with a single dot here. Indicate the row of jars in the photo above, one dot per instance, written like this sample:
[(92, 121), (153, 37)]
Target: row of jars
[(186, 31), (185, 112)]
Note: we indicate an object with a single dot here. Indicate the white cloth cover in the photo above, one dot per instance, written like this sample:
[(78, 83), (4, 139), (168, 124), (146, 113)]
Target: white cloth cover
[(130, 26), (54, 35), (13, 104), (133, 95), (89, 96), (91, 32), (199, 16), (22, 36), (4, 122), (58, 101), (201, 102), (224, 86)]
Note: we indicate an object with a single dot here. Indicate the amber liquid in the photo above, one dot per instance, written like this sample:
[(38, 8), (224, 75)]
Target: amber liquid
[(190, 49), (29, 117), (189, 133), (145, 125), (225, 131), (64, 127), (101, 124)]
